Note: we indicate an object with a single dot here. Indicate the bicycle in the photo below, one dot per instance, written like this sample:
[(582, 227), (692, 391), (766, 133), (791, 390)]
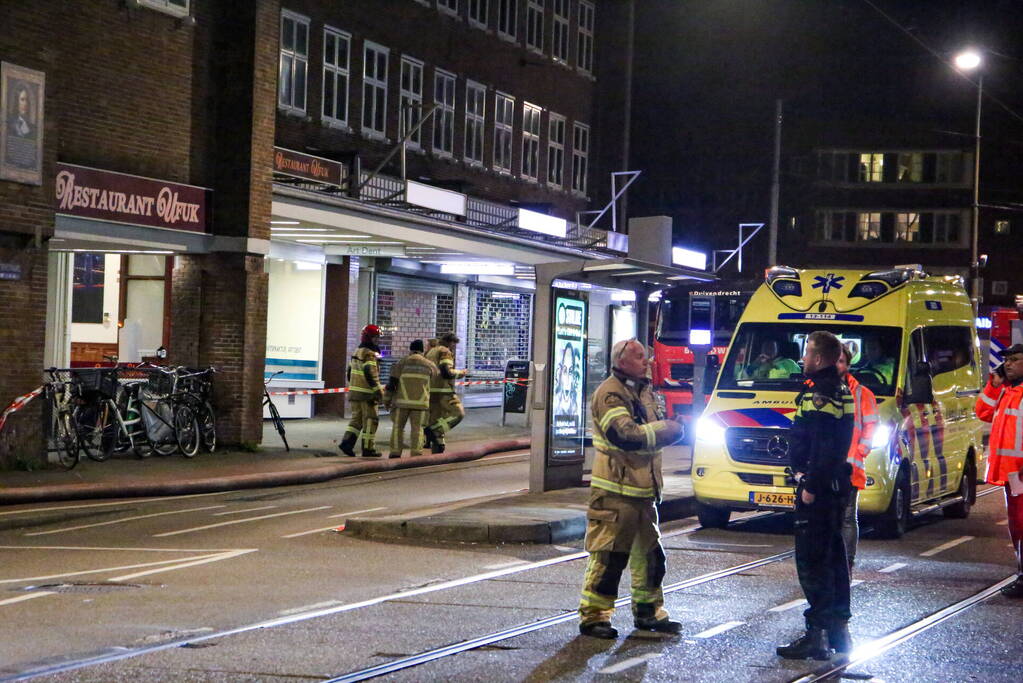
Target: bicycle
[(274, 415), (62, 436), (196, 388)]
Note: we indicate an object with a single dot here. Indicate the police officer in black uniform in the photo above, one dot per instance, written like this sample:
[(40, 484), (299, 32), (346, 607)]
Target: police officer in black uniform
[(820, 439)]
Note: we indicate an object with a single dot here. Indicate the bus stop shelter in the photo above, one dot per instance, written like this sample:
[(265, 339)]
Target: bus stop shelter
[(557, 407)]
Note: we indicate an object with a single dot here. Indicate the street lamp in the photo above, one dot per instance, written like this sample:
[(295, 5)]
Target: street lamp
[(967, 61)]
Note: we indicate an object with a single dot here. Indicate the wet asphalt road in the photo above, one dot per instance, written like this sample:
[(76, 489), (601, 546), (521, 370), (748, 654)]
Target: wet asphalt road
[(343, 604)]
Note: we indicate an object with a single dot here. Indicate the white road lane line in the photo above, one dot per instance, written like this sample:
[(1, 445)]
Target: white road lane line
[(132, 502), (240, 512), (217, 558), (27, 596), (720, 628), (124, 519), (312, 531), (127, 548), (945, 546), (502, 565), (791, 604), (306, 608), (628, 663), (893, 568), (101, 570), (711, 544), (855, 582), (354, 512), (240, 521)]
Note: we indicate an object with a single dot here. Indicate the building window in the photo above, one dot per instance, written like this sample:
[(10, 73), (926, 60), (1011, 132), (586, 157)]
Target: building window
[(559, 48), (411, 99), (335, 75), (374, 90), (507, 18), (444, 116), (948, 167), (907, 227), (294, 66), (530, 141), (556, 151), (478, 12), (946, 228), (504, 115), (1000, 287), (584, 53), (871, 168), (869, 227), (1003, 227), (177, 8), (911, 167), (833, 166), (580, 156), (448, 6), (475, 110), (534, 24)]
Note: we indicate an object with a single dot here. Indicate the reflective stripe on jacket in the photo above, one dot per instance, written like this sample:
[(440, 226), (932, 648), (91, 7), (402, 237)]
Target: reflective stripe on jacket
[(628, 435), (442, 357), (410, 382), (1001, 407), (865, 422), (364, 375)]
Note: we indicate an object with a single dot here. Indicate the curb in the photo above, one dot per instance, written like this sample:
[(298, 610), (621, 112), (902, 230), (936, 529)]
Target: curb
[(39, 494)]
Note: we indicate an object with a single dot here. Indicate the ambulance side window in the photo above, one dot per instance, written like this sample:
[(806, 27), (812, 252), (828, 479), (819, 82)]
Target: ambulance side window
[(948, 348)]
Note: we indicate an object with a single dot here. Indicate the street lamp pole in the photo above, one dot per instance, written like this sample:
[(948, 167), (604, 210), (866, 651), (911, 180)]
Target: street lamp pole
[(975, 293)]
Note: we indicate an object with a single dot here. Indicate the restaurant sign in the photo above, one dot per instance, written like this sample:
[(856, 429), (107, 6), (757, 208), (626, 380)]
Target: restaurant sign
[(307, 167), (105, 195)]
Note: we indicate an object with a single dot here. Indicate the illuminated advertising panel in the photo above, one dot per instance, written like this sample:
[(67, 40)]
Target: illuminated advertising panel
[(568, 378)]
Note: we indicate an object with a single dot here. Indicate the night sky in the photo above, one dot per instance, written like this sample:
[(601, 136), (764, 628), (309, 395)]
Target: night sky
[(707, 73)]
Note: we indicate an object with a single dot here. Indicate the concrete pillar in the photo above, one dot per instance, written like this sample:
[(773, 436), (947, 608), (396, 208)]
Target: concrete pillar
[(336, 307)]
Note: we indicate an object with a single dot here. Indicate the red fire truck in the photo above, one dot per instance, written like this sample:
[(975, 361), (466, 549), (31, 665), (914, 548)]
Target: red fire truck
[(673, 360), (1002, 323)]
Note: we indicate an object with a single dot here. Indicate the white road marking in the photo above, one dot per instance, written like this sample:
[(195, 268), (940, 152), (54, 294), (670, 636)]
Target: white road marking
[(312, 531), (27, 596), (791, 604), (239, 512), (318, 605), (354, 512), (564, 548), (124, 519), (855, 582), (945, 546), (720, 628), (502, 565), (217, 558), (106, 569), (133, 501), (138, 550), (730, 545), (628, 663), (240, 521), (893, 568)]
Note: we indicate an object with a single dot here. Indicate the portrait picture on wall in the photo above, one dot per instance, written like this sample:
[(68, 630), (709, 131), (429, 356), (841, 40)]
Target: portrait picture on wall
[(21, 130), (87, 288)]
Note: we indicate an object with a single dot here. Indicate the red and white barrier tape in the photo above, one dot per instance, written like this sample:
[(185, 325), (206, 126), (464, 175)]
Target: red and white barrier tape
[(345, 390), (17, 404)]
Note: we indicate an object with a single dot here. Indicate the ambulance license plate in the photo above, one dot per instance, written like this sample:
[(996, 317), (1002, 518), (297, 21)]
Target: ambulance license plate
[(774, 500)]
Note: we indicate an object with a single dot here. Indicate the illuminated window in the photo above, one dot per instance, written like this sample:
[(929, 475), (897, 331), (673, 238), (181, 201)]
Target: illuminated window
[(907, 227), (1002, 227), (911, 167), (412, 98), (869, 227), (871, 168)]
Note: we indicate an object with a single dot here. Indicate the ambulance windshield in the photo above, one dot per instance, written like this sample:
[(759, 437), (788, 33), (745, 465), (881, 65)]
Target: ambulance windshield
[(770, 355)]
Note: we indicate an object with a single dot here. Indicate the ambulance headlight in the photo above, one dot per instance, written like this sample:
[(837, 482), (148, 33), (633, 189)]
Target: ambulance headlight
[(710, 431), (882, 435)]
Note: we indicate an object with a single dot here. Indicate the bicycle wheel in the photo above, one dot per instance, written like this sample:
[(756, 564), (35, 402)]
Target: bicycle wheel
[(276, 417), (186, 430), (66, 437), (207, 426), (97, 429)]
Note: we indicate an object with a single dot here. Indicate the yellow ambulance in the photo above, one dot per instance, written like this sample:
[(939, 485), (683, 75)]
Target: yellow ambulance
[(914, 343)]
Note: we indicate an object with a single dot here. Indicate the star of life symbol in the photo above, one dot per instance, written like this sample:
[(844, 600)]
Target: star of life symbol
[(827, 282)]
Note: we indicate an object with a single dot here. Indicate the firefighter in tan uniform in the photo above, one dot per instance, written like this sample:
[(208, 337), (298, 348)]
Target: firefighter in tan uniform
[(408, 397), (365, 393), (628, 435), (446, 409)]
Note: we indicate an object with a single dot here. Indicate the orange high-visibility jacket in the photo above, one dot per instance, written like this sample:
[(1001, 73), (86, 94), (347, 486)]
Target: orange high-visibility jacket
[(864, 424), (1001, 407)]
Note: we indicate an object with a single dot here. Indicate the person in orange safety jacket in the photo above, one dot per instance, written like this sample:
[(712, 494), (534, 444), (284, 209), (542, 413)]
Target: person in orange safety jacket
[(1000, 404), (864, 424)]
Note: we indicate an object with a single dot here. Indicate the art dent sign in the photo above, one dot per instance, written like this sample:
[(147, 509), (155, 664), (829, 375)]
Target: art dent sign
[(105, 195)]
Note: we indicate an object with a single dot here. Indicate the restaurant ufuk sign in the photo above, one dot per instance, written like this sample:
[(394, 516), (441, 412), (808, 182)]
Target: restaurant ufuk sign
[(123, 198)]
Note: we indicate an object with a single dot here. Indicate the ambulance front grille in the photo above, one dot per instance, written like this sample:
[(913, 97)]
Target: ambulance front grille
[(758, 445)]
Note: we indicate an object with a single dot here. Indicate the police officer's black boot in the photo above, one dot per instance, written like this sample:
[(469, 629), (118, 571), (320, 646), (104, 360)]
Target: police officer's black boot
[(347, 445), (810, 645), (646, 620), (427, 437), (599, 629), (839, 639)]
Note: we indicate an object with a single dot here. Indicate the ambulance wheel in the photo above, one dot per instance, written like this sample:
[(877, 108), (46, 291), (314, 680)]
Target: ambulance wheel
[(967, 491), (895, 520), (712, 517)]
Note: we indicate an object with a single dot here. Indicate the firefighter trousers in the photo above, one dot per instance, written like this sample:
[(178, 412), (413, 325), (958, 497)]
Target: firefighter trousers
[(446, 412), (364, 423), (821, 562), (415, 420), (621, 531)]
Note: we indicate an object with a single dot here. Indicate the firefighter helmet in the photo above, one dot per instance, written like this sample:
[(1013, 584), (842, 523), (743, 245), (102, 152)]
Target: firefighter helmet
[(370, 331)]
